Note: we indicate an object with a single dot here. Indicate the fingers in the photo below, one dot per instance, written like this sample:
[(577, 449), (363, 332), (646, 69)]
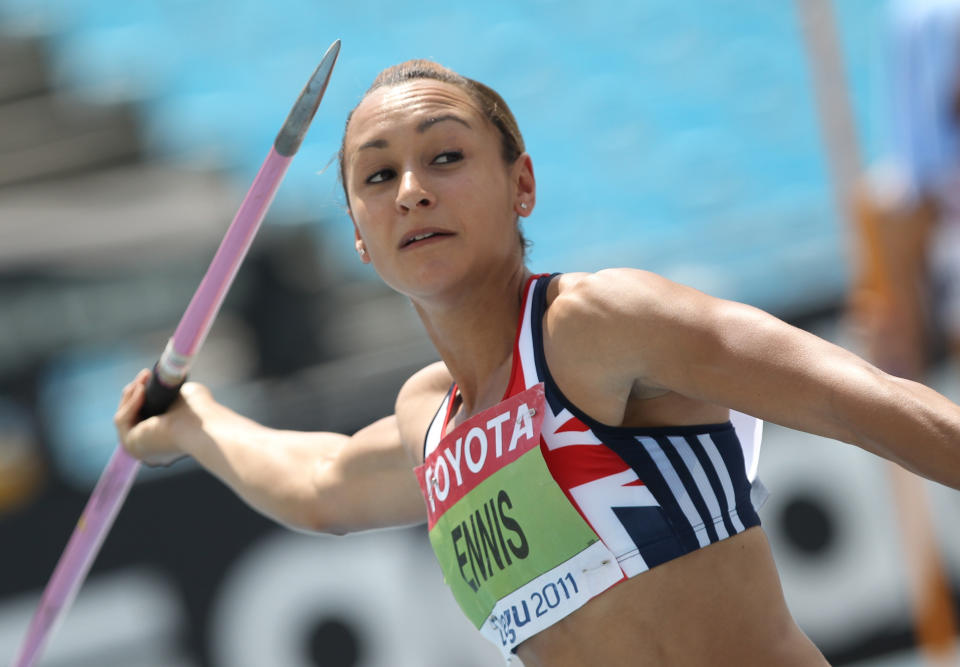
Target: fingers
[(134, 390), (141, 380), (131, 401), (126, 415), (152, 440)]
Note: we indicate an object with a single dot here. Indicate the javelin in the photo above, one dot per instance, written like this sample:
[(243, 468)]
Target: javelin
[(171, 370)]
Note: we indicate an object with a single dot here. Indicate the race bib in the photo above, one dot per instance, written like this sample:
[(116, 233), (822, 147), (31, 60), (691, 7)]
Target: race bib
[(516, 554)]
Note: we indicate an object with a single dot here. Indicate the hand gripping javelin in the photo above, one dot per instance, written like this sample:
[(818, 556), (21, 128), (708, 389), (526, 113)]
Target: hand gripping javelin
[(171, 370)]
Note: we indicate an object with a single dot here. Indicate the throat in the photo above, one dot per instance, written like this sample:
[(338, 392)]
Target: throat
[(468, 402)]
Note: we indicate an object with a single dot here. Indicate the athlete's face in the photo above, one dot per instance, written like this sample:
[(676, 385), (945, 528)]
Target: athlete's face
[(430, 195)]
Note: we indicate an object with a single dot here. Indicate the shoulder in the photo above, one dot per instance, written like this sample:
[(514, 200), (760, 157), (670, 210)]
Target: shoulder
[(579, 299), (624, 325), (428, 383), (417, 403)]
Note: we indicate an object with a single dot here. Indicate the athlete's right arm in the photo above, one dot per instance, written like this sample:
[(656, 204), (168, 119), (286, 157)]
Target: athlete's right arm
[(322, 482)]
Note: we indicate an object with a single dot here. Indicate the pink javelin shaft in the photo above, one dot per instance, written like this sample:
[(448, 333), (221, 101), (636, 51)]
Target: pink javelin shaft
[(172, 368)]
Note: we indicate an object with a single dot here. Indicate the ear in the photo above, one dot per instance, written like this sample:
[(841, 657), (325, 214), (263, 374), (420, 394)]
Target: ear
[(525, 184), (359, 244)]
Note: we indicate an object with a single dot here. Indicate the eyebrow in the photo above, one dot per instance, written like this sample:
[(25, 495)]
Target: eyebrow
[(433, 120), (422, 127)]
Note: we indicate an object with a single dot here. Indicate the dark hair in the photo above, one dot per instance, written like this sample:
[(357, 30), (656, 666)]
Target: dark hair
[(487, 99)]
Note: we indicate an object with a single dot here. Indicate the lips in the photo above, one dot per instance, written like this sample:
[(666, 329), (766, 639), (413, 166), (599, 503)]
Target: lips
[(421, 235)]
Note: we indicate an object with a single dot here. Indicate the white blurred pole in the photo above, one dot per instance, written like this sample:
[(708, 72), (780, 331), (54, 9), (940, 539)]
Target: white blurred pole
[(934, 618)]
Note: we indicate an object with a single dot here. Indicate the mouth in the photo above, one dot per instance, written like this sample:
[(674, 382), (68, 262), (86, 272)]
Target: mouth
[(422, 237)]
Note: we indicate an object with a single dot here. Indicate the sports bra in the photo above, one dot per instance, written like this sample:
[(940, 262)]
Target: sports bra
[(649, 494)]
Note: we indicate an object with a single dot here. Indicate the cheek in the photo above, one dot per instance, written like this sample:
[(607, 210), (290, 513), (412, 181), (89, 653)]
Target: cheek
[(361, 219), (490, 193), (366, 212)]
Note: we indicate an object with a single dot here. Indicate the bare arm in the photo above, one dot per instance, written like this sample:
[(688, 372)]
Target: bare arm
[(664, 335), (325, 482)]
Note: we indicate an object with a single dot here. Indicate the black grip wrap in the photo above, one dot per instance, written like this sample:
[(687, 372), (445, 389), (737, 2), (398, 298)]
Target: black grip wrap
[(159, 396)]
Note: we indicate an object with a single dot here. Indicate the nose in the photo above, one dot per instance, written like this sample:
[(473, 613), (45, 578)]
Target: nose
[(412, 193)]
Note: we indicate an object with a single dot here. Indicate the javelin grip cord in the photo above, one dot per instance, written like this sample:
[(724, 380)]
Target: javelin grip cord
[(159, 396)]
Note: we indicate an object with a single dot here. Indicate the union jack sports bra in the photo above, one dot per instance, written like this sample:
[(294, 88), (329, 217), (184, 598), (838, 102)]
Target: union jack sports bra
[(650, 494)]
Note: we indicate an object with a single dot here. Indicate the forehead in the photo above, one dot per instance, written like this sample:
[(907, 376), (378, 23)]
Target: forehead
[(404, 105)]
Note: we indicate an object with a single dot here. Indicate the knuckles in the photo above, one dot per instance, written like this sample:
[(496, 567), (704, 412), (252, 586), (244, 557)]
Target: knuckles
[(195, 390)]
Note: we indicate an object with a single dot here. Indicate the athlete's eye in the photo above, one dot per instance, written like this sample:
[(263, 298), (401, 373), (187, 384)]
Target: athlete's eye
[(448, 158), (380, 177)]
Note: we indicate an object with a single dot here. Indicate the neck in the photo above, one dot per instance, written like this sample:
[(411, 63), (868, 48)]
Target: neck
[(474, 334)]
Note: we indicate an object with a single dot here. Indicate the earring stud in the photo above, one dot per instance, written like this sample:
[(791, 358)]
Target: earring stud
[(523, 205)]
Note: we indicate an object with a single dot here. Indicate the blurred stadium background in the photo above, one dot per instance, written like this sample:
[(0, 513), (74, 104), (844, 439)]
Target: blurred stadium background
[(681, 137)]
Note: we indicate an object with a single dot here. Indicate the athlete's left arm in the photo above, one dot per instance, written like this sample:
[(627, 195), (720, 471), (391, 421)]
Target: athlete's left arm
[(660, 334)]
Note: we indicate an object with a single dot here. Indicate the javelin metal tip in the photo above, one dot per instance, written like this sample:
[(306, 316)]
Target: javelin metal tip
[(295, 127)]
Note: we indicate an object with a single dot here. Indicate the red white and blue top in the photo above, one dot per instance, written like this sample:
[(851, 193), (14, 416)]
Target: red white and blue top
[(650, 494)]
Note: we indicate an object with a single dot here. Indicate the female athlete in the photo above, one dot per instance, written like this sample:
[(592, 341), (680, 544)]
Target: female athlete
[(572, 453)]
